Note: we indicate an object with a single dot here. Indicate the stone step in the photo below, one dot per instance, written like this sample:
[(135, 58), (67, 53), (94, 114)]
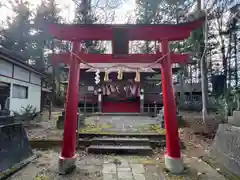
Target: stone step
[(117, 114), (120, 141), (151, 136), (137, 150)]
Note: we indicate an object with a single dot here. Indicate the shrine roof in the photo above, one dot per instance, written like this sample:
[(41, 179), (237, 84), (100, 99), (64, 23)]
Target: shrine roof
[(78, 32)]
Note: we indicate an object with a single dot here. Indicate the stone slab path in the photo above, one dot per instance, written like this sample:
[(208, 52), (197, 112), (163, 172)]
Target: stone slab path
[(126, 171), (110, 167)]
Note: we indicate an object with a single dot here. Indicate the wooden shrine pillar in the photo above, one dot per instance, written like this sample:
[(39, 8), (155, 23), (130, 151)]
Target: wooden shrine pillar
[(100, 100), (142, 101), (173, 159)]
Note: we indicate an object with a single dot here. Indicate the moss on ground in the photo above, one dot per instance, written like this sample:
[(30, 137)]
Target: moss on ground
[(7, 172), (155, 128), (41, 177), (103, 129), (96, 128)]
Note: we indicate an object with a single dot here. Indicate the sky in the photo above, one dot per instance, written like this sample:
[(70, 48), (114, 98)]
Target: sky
[(122, 13)]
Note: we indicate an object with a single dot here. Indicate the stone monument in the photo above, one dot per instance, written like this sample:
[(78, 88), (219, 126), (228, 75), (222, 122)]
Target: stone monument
[(160, 117), (235, 119), (225, 150)]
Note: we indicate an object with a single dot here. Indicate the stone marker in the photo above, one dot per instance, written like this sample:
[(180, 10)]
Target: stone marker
[(5, 120), (160, 117), (225, 149), (60, 122), (235, 119), (80, 123), (14, 148)]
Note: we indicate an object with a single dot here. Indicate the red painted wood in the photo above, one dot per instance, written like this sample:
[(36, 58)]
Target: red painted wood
[(170, 119), (70, 122), (170, 32), (107, 58), (121, 106)]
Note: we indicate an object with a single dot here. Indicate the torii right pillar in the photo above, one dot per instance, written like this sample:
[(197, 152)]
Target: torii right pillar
[(173, 160)]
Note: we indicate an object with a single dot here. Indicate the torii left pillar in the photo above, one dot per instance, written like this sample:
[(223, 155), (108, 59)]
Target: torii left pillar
[(173, 160), (67, 158)]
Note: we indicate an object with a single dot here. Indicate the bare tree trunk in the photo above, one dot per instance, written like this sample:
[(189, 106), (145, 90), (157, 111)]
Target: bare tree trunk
[(235, 59), (52, 99), (229, 60), (204, 89), (204, 72), (210, 63), (181, 79), (224, 63), (181, 76), (191, 82)]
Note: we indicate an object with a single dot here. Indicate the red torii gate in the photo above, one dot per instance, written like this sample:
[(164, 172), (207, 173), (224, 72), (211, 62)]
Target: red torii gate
[(162, 33)]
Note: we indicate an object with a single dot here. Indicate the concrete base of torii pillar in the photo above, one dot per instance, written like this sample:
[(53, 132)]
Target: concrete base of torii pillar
[(66, 165), (174, 165)]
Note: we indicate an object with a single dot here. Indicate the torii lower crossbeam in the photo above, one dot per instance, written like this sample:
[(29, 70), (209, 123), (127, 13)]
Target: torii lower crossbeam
[(108, 58)]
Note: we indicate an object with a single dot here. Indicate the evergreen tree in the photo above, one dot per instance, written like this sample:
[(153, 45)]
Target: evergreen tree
[(42, 42), (148, 13), (17, 35), (85, 15), (158, 12)]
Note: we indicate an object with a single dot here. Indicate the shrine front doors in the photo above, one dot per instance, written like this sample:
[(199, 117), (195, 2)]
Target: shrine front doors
[(120, 98), (121, 106)]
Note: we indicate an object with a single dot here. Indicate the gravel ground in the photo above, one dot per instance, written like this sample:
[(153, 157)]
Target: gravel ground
[(91, 166), (99, 167)]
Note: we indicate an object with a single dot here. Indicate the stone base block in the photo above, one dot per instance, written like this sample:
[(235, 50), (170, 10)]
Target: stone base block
[(66, 165), (60, 122), (236, 119), (174, 165)]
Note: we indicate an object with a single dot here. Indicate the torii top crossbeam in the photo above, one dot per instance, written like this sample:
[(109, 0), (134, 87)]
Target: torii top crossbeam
[(78, 32), (156, 32)]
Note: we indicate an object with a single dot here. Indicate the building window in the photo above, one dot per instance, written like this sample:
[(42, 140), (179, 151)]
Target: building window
[(20, 92)]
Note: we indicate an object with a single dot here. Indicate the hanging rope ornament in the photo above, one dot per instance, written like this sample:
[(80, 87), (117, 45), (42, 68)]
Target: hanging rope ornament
[(137, 78), (106, 76), (97, 77), (120, 74)]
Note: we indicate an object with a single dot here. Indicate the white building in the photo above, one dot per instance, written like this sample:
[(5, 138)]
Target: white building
[(20, 84)]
